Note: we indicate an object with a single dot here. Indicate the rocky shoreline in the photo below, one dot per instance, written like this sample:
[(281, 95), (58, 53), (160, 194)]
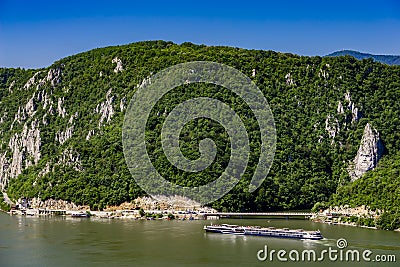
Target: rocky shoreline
[(144, 208), (362, 216)]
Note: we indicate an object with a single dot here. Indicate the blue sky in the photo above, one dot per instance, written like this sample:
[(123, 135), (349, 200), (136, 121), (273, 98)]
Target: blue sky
[(36, 33)]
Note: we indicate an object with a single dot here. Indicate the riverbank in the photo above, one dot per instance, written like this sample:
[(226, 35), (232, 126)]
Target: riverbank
[(144, 208), (118, 214), (362, 216)]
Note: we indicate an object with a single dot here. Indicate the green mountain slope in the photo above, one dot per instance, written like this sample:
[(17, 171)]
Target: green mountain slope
[(386, 59), (61, 126), (379, 189)]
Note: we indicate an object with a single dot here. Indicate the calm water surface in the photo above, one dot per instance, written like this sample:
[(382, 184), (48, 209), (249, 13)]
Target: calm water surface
[(60, 241)]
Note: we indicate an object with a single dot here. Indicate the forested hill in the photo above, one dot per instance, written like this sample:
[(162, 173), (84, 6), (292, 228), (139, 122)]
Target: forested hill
[(335, 117), (386, 59)]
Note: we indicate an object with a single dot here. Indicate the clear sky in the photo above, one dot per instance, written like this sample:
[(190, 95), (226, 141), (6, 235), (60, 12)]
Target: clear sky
[(36, 33)]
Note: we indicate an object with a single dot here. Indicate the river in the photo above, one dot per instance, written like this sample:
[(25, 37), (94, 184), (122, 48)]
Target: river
[(61, 241)]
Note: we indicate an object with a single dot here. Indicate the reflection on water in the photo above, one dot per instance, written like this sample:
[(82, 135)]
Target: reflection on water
[(61, 241)]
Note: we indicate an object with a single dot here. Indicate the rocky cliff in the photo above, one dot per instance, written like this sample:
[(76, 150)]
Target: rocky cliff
[(369, 153)]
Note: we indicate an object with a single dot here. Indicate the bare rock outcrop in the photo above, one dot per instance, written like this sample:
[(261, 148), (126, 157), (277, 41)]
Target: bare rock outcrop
[(323, 73), (89, 135), (71, 119), (119, 66), (25, 148), (60, 109), (31, 81), (122, 104), (19, 117), (70, 157), (289, 79), (355, 114), (46, 99), (369, 153), (53, 204), (4, 174), (44, 171), (332, 127), (144, 82), (11, 87), (54, 76), (3, 117), (30, 106), (105, 109), (63, 136), (340, 109)]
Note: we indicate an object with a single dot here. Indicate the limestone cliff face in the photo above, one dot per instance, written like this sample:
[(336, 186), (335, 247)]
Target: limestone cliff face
[(45, 102), (369, 153), (24, 146), (351, 113), (25, 152), (106, 109)]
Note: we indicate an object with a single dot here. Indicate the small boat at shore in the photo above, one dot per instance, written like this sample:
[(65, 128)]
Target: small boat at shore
[(80, 215), (265, 232)]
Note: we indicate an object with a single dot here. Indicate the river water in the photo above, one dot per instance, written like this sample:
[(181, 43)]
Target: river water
[(61, 241)]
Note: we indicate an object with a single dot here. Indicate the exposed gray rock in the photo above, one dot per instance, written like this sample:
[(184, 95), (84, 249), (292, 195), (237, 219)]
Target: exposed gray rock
[(145, 82), (51, 110), (47, 101), (63, 136), (71, 158), (44, 171), (332, 127), (31, 81), (355, 114), (19, 117), (289, 79), (122, 104), (119, 66), (3, 117), (54, 76), (44, 119), (24, 146), (71, 119), (52, 204), (105, 109), (68, 157), (60, 109), (369, 153), (340, 109), (323, 73), (30, 106), (11, 86), (4, 174), (7, 199), (90, 134)]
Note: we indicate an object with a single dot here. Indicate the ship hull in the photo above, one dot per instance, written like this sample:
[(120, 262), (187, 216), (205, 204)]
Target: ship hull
[(263, 232)]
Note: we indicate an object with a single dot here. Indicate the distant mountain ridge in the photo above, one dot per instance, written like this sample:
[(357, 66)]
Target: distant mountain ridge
[(386, 59)]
